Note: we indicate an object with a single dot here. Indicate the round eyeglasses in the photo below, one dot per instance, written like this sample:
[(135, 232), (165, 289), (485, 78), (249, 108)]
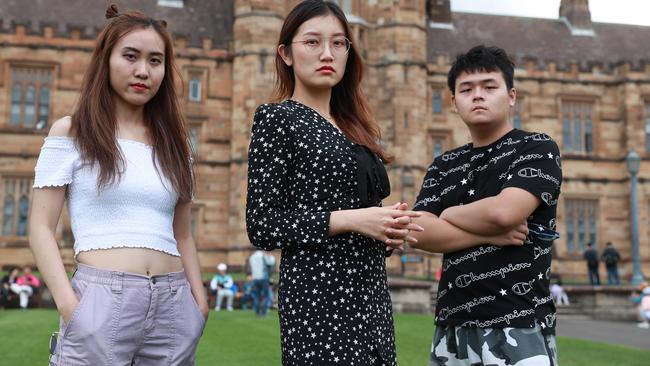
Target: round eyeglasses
[(337, 45)]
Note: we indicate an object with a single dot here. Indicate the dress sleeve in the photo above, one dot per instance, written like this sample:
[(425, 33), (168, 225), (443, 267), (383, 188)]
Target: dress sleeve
[(56, 162), (271, 222), (429, 196)]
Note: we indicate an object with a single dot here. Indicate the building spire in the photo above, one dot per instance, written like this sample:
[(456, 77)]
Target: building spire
[(576, 14), (439, 11)]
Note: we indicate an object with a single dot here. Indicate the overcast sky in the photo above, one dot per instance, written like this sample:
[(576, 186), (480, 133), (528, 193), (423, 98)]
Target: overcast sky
[(606, 11)]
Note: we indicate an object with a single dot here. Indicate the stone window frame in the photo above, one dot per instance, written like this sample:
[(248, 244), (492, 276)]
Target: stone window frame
[(571, 221), (194, 85), (41, 76), (437, 100), (645, 116), (196, 75), (437, 88), (441, 136), (23, 185), (195, 134), (592, 103)]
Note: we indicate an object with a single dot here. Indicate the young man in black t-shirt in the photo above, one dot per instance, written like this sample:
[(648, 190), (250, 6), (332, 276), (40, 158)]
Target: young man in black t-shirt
[(490, 206)]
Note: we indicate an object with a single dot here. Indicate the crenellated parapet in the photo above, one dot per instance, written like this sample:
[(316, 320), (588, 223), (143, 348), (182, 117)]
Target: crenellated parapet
[(196, 21)]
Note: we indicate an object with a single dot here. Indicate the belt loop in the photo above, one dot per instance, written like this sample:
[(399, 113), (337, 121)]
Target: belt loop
[(116, 282), (172, 283)]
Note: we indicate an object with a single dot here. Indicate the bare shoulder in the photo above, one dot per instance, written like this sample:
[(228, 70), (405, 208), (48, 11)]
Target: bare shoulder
[(61, 127)]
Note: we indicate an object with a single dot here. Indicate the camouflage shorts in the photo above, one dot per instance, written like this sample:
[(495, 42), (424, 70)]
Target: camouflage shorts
[(459, 346)]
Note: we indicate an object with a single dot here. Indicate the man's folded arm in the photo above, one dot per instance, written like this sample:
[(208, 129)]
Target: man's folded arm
[(493, 215)]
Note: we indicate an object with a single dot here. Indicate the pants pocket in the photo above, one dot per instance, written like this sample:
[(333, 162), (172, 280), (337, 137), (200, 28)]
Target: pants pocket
[(81, 290), (195, 306), (188, 326), (88, 337)]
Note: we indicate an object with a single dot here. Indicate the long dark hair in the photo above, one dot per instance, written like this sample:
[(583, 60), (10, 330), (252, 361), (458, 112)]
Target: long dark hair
[(94, 125), (348, 104)]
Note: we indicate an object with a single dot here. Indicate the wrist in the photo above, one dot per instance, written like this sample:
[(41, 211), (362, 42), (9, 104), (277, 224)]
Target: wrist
[(342, 221)]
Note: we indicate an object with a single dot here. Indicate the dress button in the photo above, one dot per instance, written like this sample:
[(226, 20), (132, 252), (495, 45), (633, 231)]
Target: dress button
[(153, 280)]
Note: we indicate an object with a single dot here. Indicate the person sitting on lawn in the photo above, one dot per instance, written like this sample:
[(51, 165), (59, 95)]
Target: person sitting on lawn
[(643, 305), (8, 280), (28, 278), (559, 295), (222, 284), (25, 286)]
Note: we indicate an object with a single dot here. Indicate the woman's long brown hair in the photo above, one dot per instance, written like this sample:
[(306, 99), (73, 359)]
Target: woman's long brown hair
[(348, 104), (94, 126)]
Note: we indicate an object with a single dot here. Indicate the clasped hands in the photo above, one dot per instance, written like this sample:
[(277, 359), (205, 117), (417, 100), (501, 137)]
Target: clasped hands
[(397, 226)]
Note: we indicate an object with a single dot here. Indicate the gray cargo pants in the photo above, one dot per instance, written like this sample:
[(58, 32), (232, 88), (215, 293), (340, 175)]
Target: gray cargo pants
[(128, 319)]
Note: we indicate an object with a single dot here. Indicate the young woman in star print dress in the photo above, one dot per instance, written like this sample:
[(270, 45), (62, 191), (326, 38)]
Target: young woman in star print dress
[(315, 184)]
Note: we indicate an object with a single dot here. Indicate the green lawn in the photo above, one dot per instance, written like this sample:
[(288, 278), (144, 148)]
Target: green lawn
[(241, 339)]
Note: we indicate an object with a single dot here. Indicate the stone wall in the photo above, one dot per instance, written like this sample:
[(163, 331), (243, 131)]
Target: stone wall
[(605, 303), (410, 296), (399, 83)]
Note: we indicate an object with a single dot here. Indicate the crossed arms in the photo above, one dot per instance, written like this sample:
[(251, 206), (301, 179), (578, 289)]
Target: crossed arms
[(498, 220)]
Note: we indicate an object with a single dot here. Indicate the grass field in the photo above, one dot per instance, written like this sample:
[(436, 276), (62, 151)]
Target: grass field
[(241, 339)]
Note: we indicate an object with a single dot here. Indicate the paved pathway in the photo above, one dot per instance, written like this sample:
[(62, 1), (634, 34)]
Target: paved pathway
[(624, 333)]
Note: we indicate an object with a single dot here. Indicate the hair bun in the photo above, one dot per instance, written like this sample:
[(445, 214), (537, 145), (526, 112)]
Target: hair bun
[(111, 11)]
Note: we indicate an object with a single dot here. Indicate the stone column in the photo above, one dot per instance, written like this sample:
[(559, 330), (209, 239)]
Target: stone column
[(256, 29), (397, 88)]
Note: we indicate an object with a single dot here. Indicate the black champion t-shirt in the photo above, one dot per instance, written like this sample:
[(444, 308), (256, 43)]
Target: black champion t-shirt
[(488, 286)]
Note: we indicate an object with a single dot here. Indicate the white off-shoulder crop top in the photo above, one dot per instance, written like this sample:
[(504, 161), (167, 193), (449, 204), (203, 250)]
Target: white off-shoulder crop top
[(136, 211)]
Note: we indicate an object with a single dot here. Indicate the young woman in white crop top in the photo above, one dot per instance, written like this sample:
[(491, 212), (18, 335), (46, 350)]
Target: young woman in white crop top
[(122, 163)]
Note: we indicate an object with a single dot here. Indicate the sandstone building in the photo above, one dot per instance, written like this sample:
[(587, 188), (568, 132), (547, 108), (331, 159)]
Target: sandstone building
[(586, 84)]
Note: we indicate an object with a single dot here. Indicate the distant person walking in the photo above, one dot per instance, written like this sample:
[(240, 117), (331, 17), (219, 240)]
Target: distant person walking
[(261, 265), (611, 257), (591, 257)]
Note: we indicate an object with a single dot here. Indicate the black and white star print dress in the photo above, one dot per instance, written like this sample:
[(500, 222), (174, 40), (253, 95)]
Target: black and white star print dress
[(334, 303)]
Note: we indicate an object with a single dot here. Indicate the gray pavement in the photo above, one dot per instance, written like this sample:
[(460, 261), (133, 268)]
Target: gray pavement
[(623, 333)]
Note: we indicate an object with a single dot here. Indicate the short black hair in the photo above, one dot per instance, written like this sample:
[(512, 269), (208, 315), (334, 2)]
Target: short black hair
[(482, 58)]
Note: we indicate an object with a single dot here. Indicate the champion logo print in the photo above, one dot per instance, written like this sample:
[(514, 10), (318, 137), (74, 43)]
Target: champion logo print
[(465, 279), (431, 182), (514, 275), (522, 288)]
